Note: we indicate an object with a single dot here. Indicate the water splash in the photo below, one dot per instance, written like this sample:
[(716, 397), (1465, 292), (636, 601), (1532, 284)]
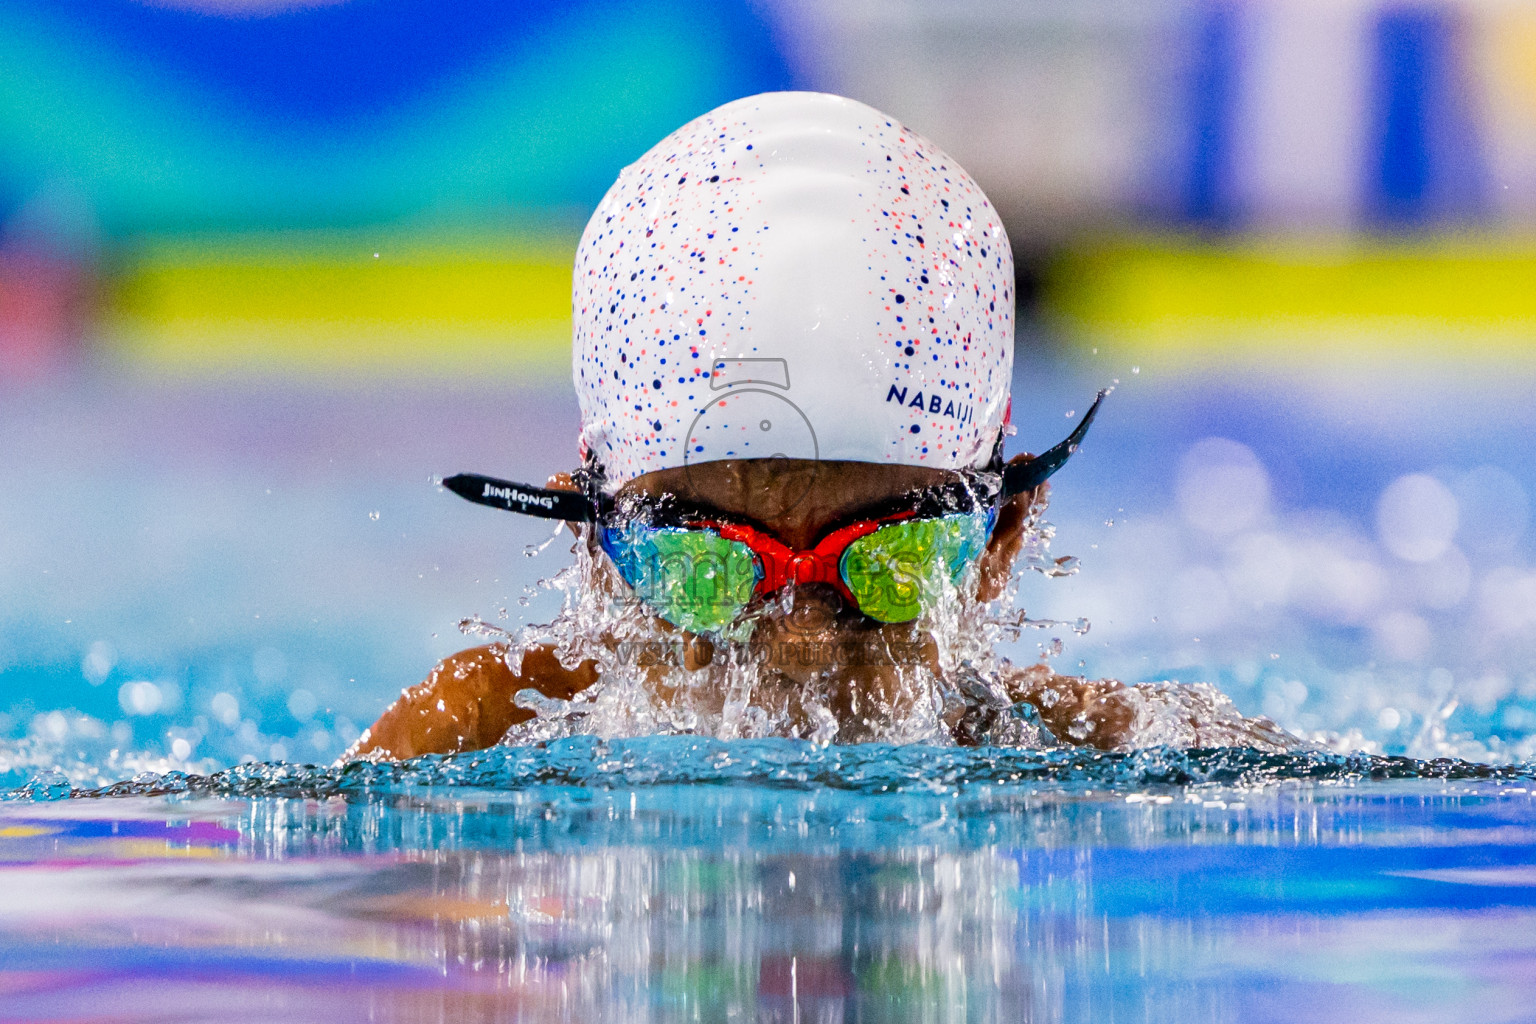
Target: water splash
[(76, 750), (1036, 555), (590, 763), (534, 550), (937, 682)]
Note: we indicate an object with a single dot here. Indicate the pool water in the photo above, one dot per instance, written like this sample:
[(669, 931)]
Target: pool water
[(683, 879)]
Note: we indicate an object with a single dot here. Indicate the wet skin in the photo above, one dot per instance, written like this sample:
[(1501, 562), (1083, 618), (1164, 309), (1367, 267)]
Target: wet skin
[(467, 701)]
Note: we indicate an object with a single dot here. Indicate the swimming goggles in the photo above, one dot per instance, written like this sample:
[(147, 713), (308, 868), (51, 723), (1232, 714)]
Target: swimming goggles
[(700, 571)]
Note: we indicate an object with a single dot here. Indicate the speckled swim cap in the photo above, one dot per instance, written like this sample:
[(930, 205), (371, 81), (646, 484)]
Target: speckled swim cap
[(792, 274)]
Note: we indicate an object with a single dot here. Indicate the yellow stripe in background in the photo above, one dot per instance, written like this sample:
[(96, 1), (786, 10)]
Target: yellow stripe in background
[(1188, 303), (437, 305), (351, 303)]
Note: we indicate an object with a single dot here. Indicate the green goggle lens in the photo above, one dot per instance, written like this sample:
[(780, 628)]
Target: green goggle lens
[(695, 579), (900, 569)]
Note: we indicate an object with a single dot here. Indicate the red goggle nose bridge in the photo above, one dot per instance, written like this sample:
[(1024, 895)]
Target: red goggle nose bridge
[(813, 568), (783, 565)]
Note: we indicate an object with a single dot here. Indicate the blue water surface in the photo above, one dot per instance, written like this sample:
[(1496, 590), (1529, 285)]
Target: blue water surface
[(676, 878)]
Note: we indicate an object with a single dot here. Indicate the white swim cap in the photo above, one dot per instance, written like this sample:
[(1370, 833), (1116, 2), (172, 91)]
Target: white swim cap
[(792, 274)]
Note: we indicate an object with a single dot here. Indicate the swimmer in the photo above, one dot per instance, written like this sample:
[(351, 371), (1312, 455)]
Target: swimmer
[(793, 347)]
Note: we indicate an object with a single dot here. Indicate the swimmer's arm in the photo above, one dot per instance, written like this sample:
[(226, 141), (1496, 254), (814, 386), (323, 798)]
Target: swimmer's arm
[(1109, 715), (466, 703), (1079, 711)]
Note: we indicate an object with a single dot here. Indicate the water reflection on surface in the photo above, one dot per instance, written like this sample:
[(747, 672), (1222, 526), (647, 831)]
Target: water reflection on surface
[(1401, 901)]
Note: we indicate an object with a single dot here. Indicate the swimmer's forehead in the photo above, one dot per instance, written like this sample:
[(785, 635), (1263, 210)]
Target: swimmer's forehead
[(745, 487)]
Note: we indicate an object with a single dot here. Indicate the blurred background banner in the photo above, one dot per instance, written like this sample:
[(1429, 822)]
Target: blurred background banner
[(267, 266), (331, 183), (203, 182)]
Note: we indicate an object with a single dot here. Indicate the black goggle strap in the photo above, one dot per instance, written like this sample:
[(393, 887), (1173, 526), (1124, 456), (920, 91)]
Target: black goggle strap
[(590, 504), (572, 506), (1019, 477), (976, 492)]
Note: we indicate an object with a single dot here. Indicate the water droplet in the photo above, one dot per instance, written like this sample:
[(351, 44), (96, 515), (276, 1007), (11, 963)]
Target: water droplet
[(534, 549)]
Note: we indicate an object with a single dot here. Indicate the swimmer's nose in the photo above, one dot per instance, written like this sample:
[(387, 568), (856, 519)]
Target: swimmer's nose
[(812, 607)]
